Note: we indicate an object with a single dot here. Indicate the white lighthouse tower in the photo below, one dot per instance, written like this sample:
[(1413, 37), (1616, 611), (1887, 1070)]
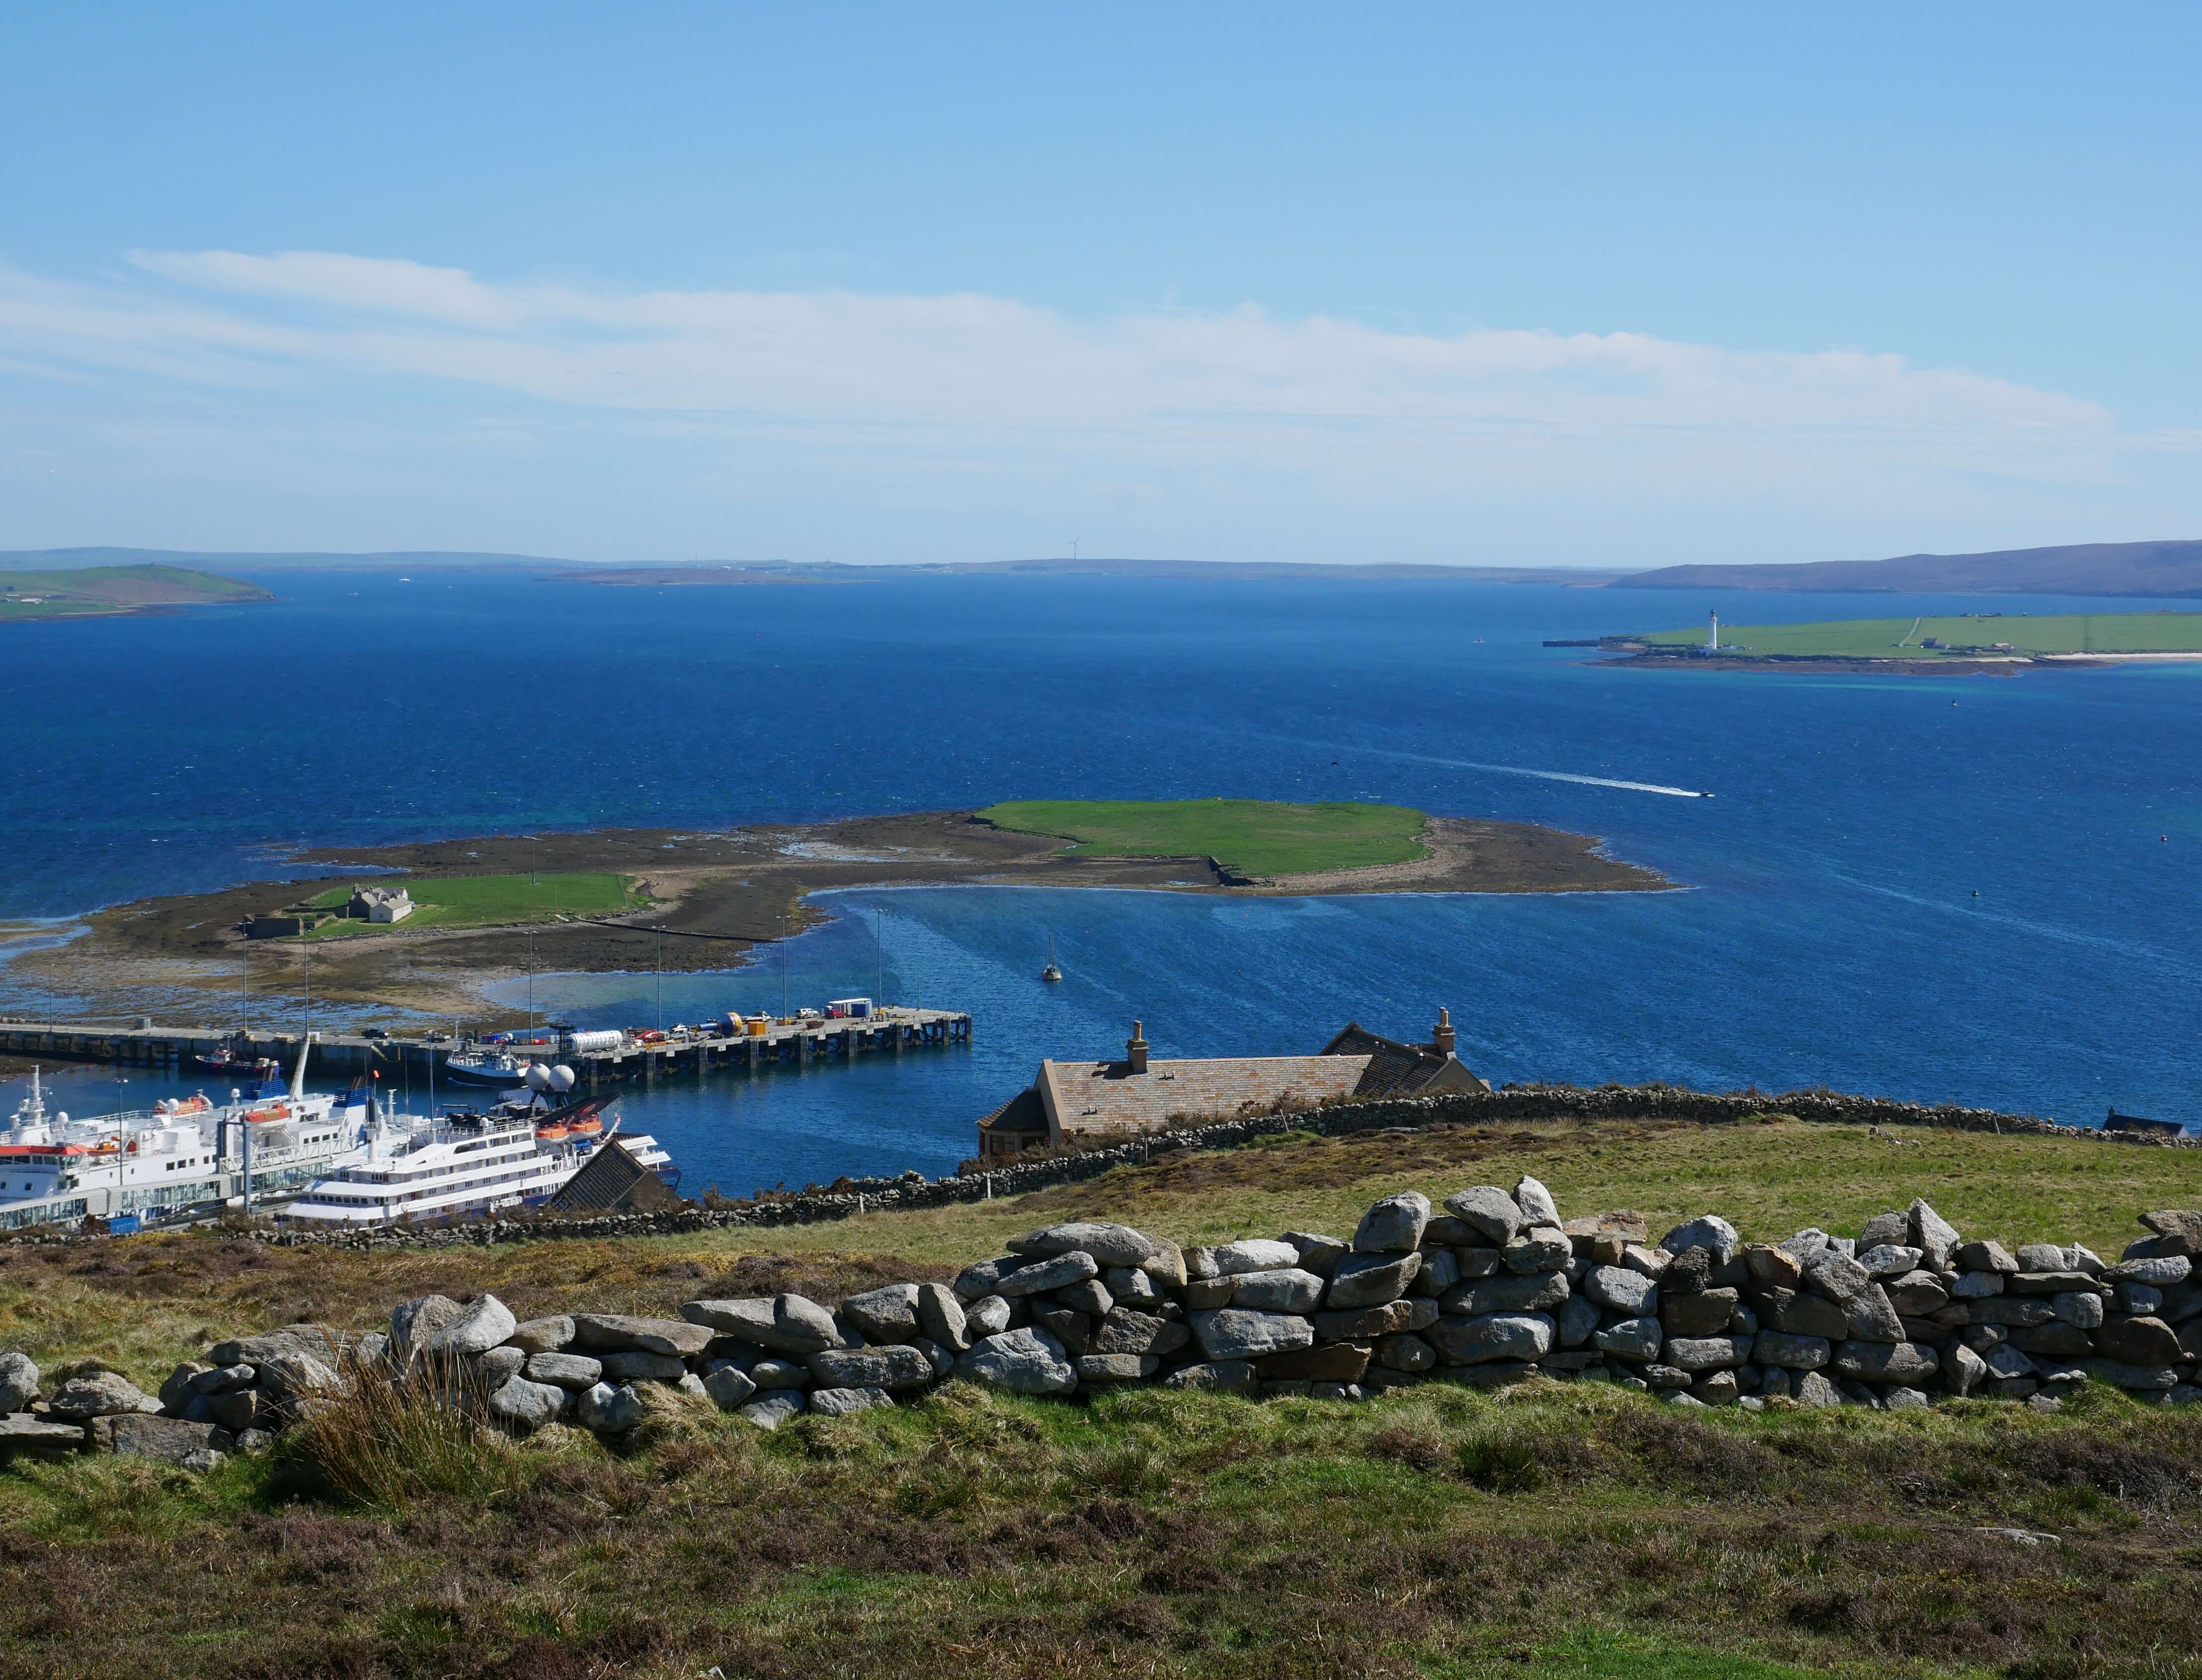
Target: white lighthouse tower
[(1712, 642)]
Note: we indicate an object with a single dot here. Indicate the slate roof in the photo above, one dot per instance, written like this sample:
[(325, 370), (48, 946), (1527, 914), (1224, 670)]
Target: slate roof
[(612, 1180), (1108, 1096), (1024, 1112), (1068, 1098), (1396, 1069)]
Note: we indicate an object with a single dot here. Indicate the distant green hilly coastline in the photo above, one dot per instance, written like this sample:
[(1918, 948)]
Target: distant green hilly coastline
[(111, 591), (2164, 569), (77, 559), (661, 573)]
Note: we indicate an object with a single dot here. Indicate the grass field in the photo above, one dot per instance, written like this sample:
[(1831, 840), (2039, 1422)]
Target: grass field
[(1252, 837), (489, 901), (97, 589), (1546, 1533), (1904, 637)]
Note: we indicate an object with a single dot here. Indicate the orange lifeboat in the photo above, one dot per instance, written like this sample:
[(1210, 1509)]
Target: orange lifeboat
[(551, 1134)]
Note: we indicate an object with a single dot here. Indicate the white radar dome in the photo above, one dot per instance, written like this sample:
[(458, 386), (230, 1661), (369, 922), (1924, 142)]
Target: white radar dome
[(538, 1077), (562, 1078)]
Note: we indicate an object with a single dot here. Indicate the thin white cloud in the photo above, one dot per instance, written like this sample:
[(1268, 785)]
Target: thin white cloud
[(967, 359), (1199, 420), (372, 285)]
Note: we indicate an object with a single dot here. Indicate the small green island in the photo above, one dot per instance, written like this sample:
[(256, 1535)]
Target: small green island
[(116, 592), (482, 909), (1247, 837), (1972, 640)]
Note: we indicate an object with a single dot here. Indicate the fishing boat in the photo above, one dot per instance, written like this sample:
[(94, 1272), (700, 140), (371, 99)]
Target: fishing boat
[(235, 1062), (499, 1068), (1051, 973)]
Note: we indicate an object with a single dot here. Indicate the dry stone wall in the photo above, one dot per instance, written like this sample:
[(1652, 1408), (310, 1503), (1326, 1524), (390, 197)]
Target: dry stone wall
[(1494, 1287)]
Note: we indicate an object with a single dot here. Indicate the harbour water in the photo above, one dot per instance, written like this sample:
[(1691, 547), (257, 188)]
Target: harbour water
[(1976, 889)]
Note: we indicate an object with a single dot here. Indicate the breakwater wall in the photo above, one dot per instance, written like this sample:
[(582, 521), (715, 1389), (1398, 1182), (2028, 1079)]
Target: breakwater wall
[(1496, 1288)]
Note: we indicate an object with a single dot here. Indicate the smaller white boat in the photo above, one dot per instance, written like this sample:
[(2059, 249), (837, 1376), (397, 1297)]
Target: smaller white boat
[(422, 1171)]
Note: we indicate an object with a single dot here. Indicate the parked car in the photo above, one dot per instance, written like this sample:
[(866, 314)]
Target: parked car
[(437, 1038), (375, 1032)]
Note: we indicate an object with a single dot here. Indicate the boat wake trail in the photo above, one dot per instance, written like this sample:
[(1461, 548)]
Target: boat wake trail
[(1508, 770), (1587, 781)]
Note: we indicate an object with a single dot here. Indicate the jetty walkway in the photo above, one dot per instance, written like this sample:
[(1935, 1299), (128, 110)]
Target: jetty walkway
[(794, 1042)]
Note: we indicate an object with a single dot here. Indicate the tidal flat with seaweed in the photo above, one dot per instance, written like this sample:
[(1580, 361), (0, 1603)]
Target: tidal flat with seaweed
[(702, 901)]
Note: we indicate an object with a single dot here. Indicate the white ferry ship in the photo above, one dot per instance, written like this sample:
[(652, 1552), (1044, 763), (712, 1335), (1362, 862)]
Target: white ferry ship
[(184, 1157), (425, 1171)]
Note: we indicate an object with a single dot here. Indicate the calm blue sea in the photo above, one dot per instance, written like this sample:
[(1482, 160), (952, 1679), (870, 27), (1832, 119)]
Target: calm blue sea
[(1979, 889)]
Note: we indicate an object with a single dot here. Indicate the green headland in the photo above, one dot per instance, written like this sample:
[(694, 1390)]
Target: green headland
[(105, 591), (1974, 635), (1248, 836)]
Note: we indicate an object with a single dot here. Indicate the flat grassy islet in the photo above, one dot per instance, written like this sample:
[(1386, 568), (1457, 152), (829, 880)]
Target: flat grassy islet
[(1252, 837)]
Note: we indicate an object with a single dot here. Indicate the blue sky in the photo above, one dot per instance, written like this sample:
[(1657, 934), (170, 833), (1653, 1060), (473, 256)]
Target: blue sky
[(1600, 285)]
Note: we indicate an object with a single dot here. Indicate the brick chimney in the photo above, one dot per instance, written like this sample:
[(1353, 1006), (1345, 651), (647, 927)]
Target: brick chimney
[(1135, 1047), (1441, 1035)]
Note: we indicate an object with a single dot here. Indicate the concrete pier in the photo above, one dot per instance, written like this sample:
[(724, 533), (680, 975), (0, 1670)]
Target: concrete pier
[(340, 1055)]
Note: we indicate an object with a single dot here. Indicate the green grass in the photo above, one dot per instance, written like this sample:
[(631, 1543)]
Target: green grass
[(1252, 837), (95, 590), (1155, 1533), (488, 901), (1902, 638), (1549, 1532)]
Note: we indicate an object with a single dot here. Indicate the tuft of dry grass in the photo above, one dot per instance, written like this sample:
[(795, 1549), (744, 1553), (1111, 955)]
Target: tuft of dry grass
[(392, 1437)]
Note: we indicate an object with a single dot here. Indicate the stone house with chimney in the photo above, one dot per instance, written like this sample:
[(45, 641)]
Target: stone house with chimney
[(1076, 1102), (379, 904)]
